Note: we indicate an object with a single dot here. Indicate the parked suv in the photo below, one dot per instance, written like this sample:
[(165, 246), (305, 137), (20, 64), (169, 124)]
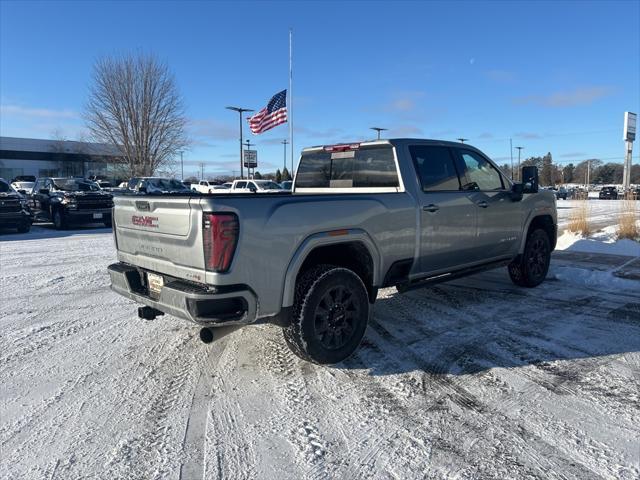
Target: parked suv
[(72, 200), (14, 208), (608, 193)]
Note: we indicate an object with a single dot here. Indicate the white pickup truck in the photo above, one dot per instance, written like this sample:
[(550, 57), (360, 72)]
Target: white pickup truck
[(205, 186)]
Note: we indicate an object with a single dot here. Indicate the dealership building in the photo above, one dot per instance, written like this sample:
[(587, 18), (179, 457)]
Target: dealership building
[(55, 158)]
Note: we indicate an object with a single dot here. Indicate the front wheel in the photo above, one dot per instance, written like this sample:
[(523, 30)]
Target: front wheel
[(25, 227), (59, 220), (530, 268), (330, 315)]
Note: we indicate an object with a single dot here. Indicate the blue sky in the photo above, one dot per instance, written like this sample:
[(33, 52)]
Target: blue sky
[(553, 76)]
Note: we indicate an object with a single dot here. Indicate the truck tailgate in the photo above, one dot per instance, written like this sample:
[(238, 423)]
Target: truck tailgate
[(160, 233)]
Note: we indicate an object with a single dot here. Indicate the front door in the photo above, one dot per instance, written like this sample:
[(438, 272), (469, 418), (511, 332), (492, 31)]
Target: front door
[(499, 217), (447, 214)]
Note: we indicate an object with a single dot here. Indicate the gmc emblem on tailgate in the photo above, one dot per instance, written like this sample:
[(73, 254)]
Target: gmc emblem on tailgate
[(144, 221)]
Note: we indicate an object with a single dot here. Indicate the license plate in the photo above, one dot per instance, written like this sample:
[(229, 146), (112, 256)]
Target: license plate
[(97, 215), (155, 282)]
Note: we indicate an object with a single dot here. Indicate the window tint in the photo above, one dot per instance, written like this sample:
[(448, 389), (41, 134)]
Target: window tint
[(241, 185), (364, 167), (435, 167), (479, 174)]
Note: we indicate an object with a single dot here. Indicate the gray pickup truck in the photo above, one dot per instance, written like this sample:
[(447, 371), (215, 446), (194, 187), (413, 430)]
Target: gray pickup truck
[(406, 213)]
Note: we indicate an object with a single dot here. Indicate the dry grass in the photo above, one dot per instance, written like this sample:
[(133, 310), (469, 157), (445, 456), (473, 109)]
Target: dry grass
[(628, 220), (579, 219)]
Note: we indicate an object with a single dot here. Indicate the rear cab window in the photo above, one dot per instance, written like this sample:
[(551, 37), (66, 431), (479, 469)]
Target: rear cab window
[(349, 168)]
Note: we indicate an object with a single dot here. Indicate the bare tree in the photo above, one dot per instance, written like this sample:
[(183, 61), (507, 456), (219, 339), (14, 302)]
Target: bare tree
[(134, 104)]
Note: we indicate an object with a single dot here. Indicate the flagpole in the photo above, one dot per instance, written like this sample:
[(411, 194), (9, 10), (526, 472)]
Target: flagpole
[(290, 109)]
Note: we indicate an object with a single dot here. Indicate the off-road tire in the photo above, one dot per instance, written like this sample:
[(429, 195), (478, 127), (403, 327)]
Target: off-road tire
[(59, 220), (327, 338), (530, 268)]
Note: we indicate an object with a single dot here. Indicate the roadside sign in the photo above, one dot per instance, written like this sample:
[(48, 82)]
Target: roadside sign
[(250, 158), (629, 126)]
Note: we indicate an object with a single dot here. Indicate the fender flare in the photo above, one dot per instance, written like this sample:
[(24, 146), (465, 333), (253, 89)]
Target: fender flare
[(323, 239), (539, 212)]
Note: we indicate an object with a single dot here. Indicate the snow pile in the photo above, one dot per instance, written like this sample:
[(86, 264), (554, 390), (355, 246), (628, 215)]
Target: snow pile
[(603, 241), (597, 279)]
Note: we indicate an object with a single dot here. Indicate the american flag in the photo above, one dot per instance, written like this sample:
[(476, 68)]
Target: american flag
[(273, 114)]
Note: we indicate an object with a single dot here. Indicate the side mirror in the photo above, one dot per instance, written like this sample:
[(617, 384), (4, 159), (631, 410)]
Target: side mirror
[(253, 189), (530, 179), (44, 191), (517, 189)]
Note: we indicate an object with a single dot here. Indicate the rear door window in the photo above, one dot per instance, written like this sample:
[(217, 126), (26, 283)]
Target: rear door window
[(241, 185), (365, 167), (436, 168)]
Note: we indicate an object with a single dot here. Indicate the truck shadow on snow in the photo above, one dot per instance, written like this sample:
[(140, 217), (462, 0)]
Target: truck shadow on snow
[(484, 322)]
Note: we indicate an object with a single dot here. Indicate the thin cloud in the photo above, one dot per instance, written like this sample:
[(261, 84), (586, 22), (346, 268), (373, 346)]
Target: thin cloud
[(577, 97), (20, 111), (404, 131), (485, 135), (213, 129), (527, 135), (573, 154), (500, 76), (404, 102)]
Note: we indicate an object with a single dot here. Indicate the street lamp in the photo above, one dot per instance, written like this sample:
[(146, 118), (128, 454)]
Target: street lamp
[(285, 142), (378, 129), (181, 167), (462, 140), (240, 112), (519, 150)]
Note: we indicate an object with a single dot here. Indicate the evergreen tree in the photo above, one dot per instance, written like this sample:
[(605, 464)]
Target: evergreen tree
[(257, 175), (286, 175), (278, 176)]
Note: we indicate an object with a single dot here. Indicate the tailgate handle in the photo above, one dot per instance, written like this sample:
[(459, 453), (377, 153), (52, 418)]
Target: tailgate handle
[(143, 206), (431, 208)]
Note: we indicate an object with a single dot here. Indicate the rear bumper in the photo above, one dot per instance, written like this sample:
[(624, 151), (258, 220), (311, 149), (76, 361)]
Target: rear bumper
[(204, 305)]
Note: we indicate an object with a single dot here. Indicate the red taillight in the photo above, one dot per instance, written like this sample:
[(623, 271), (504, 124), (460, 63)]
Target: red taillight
[(220, 232)]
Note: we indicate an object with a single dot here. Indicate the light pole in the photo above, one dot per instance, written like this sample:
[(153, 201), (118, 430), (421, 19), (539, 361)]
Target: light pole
[(181, 167), (462, 140), (378, 129), (519, 150), (240, 112), (284, 164)]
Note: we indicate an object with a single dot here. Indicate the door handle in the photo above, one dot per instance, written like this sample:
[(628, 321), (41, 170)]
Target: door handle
[(431, 208), (482, 204)]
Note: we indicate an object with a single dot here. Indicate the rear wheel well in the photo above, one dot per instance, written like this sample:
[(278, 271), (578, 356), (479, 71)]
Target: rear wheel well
[(352, 255), (544, 222)]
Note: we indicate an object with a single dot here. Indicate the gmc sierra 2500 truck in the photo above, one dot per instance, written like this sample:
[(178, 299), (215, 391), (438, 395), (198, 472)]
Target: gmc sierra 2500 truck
[(406, 213)]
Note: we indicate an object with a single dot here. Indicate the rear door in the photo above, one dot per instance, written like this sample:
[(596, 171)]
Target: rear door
[(499, 217), (448, 216)]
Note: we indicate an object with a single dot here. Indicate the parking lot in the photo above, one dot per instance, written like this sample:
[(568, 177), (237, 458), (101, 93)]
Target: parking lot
[(473, 379)]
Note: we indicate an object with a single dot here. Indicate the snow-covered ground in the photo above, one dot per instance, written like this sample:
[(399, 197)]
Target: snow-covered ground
[(472, 379), (602, 213)]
